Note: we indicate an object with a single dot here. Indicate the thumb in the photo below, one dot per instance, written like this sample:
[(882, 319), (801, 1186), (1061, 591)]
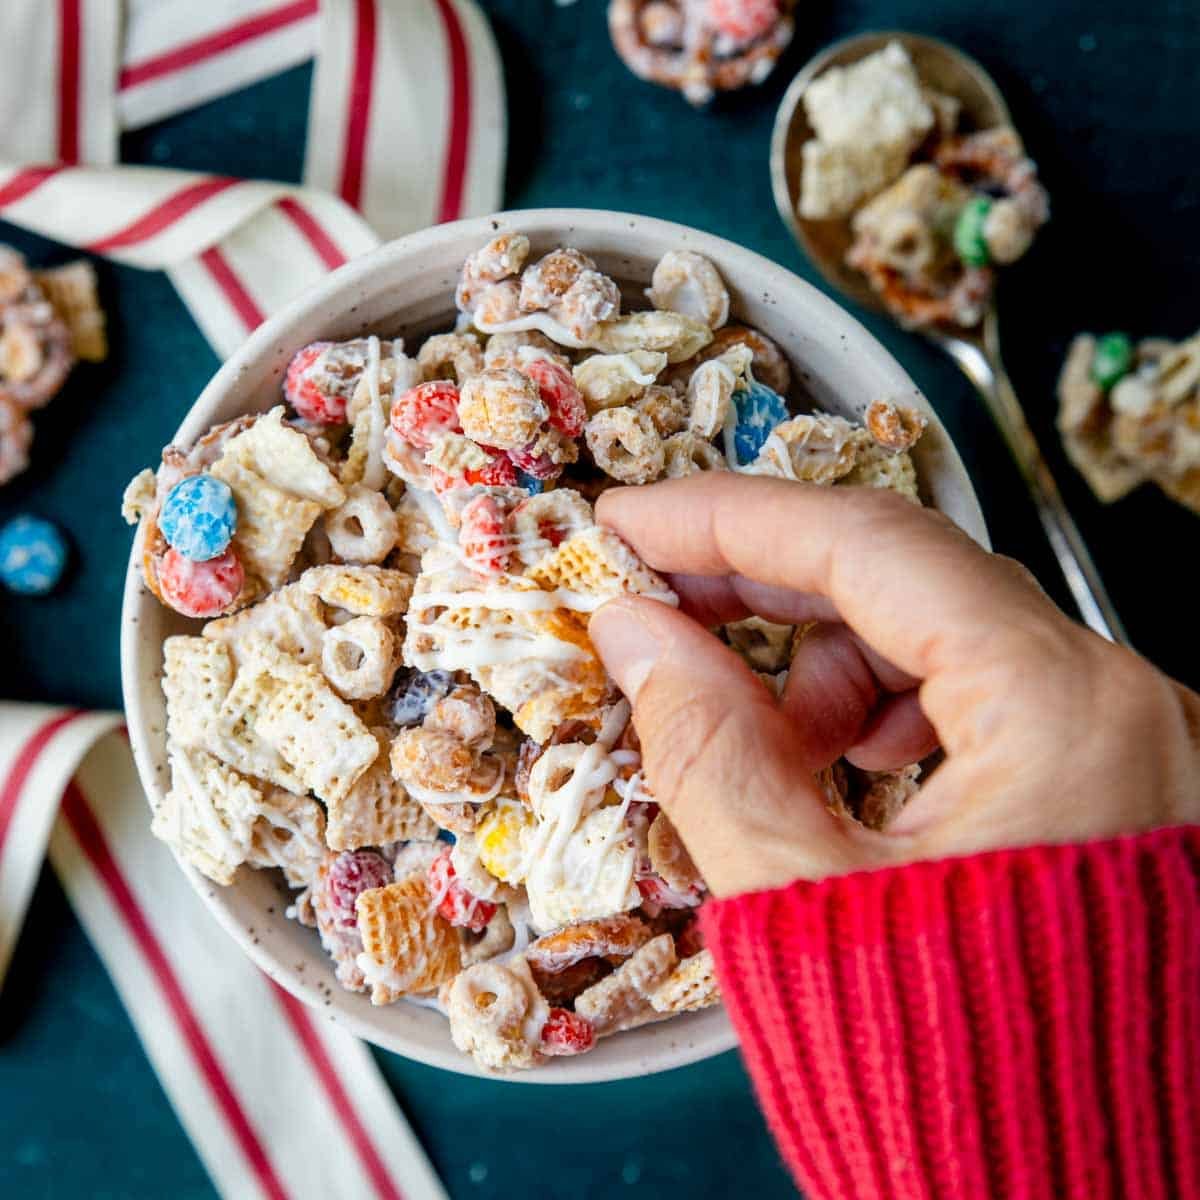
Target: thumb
[(715, 749)]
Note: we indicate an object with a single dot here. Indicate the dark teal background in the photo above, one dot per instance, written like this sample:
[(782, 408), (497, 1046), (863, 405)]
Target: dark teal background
[(1107, 95)]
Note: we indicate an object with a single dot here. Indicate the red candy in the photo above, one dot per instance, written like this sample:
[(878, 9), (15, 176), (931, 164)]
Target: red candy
[(454, 902), (304, 390), (499, 472), (743, 20), (481, 536), (559, 394), (352, 873), (657, 892), (200, 589), (425, 411), (536, 466), (567, 1033)]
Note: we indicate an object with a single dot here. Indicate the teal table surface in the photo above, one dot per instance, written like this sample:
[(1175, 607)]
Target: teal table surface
[(1107, 97)]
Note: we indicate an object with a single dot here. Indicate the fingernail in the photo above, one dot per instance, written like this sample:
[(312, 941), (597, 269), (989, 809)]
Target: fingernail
[(626, 645)]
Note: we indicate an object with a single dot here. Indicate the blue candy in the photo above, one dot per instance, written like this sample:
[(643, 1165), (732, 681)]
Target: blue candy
[(33, 556), (534, 487), (198, 517), (759, 410), (415, 694)]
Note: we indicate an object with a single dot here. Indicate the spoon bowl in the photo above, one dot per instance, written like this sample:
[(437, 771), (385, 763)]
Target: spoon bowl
[(938, 65), (977, 350)]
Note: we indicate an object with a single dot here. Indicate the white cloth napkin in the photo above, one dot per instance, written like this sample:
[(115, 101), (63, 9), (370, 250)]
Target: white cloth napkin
[(405, 128)]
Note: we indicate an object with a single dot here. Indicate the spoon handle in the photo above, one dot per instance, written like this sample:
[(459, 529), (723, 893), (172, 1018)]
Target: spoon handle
[(984, 367)]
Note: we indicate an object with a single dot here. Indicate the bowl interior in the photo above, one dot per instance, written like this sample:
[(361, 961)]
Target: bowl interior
[(406, 289)]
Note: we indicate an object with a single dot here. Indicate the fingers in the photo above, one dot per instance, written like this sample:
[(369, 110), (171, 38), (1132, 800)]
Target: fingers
[(913, 586), (717, 751), (897, 734)]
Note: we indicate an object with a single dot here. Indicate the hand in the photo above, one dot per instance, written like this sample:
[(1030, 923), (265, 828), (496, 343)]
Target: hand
[(1050, 733)]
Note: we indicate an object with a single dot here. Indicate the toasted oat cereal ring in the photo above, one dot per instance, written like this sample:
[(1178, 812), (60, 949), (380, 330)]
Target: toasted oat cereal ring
[(556, 386), (709, 395), (625, 445), (894, 426), (590, 300), (359, 658), (609, 937), (666, 408), (501, 407), (499, 259), (419, 415), (16, 436), (453, 356), (363, 528), (688, 283), (35, 354), (566, 1033), (496, 1014), (200, 589), (686, 453)]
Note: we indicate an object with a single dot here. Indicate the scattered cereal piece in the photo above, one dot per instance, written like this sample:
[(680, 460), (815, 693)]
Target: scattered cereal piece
[(408, 948), (33, 556), (686, 453), (677, 336), (688, 283), (291, 618), (625, 445), (359, 658), (288, 833), (501, 407), (363, 529), (595, 562), (689, 988), (893, 426), (197, 676), (72, 292), (622, 1000), (452, 356), (368, 591)]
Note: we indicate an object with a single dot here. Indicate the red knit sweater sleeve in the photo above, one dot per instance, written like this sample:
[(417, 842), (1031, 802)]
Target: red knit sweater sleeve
[(1024, 1023)]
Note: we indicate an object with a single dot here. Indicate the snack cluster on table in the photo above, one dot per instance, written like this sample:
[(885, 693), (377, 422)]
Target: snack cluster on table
[(934, 211), (49, 319), (1130, 413), (393, 698), (701, 47)]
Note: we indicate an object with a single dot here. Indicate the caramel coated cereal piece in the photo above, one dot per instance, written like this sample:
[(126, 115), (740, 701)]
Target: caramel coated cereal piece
[(617, 936), (501, 407), (666, 409), (622, 1000), (467, 714), (407, 947), (894, 427), (814, 448), (432, 760), (71, 290)]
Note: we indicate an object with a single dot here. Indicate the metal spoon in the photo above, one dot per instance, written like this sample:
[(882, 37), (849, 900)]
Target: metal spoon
[(977, 351)]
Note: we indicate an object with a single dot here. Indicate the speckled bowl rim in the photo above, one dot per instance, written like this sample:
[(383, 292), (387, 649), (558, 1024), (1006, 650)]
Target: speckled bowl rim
[(837, 361)]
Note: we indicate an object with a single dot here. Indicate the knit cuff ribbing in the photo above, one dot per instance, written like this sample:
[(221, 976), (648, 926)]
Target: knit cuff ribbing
[(1019, 1023)]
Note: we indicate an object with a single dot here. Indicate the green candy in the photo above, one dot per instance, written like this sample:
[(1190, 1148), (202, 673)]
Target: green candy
[(969, 242), (1112, 359)]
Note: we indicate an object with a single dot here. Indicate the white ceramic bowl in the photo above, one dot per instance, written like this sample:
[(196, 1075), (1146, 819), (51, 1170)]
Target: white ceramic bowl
[(406, 288)]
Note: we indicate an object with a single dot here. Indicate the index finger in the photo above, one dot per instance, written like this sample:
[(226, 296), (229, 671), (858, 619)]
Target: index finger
[(910, 583)]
